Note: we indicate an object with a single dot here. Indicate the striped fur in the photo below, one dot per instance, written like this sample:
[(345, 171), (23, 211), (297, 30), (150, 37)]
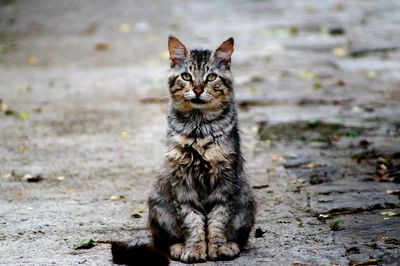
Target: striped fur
[(202, 206)]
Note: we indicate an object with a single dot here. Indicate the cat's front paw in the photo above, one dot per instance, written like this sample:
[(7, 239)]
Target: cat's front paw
[(194, 253), (175, 251), (227, 251)]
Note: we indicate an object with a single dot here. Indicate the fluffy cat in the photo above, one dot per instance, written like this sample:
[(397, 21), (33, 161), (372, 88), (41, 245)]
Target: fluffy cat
[(202, 206)]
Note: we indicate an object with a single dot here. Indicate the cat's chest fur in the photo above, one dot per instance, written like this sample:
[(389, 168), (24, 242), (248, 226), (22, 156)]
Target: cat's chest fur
[(199, 159)]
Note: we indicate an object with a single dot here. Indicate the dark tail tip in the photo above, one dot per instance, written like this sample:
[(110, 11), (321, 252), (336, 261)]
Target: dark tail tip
[(138, 255)]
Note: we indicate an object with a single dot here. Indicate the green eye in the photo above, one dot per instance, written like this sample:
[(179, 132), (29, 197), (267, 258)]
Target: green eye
[(211, 77), (186, 76)]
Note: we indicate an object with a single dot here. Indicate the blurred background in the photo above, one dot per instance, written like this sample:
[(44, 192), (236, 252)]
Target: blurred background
[(83, 100)]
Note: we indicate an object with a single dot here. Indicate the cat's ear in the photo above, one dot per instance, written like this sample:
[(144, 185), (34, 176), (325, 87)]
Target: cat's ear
[(177, 51), (224, 52)]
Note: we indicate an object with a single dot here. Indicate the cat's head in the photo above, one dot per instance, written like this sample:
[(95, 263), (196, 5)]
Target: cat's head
[(200, 79)]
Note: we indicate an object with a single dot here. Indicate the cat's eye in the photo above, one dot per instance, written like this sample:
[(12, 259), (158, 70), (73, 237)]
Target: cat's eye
[(211, 77), (186, 76)]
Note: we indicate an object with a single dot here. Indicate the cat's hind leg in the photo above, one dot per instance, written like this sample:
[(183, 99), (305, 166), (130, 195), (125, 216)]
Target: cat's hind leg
[(164, 226), (242, 220)]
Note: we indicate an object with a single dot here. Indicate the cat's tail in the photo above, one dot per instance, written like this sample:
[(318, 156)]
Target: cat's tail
[(137, 254)]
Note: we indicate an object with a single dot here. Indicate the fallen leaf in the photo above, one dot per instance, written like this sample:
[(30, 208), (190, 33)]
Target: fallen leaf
[(390, 214), (86, 244), (393, 192), (341, 83), (123, 134), (284, 221), (310, 166), (7, 176), (3, 106), (102, 46), (38, 110), (71, 190), (23, 115), (294, 30), (323, 216), (9, 112), (277, 158), (124, 27), (371, 74), (32, 60), (317, 86), (297, 181), (351, 133), (340, 52), (117, 197), (307, 74), (23, 148), (383, 237)]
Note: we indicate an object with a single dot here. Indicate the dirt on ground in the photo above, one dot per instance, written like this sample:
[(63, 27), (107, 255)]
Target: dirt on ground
[(82, 124)]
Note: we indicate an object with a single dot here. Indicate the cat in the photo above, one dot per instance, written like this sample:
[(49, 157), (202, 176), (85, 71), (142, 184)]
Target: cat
[(202, 207)]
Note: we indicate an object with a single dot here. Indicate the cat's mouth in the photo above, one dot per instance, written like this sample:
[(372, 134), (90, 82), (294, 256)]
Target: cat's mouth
[(197, 101)]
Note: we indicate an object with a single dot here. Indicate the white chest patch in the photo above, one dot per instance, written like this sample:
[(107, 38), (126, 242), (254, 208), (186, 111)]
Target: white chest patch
[(212, 151)]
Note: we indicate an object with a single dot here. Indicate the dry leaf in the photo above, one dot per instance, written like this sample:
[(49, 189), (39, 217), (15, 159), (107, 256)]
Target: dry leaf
[(85, 244), (123, 134), (310, 166), (23, 148), (277, 158), (340, 52), (383, 238), (393, 192), (390, 214), (371, 74), (23, 115), (117, 197), (102, 46), (307, 75), (124, 27), (32, 60), (297, 181)]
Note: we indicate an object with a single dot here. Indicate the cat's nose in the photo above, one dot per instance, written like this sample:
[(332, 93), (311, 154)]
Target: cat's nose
[(198, 91)]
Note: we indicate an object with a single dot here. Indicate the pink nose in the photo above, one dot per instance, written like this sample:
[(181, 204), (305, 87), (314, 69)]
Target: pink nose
[(198, 91)]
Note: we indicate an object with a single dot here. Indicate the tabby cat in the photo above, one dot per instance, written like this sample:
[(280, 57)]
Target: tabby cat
[(202, 206)]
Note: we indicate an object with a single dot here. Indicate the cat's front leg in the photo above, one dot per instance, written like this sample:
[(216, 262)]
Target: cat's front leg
[(193, 224), (195, 247), (219, 248)]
